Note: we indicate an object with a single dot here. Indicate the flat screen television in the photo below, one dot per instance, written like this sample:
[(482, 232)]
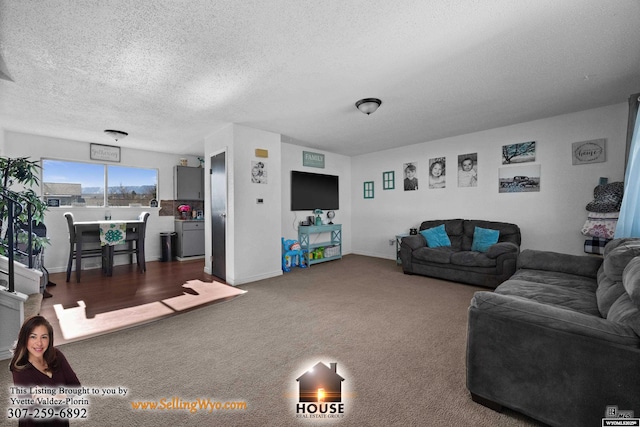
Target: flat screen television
[(311, 191)]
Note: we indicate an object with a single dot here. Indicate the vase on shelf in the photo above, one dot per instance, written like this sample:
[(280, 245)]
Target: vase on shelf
[(183, 215)]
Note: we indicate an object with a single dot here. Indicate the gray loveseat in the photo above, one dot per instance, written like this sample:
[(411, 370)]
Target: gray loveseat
[(458, 262), (559, 341)]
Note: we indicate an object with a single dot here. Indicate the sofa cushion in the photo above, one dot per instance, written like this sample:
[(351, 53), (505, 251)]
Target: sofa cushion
[(608, 292), (586, 266), (631, 280), (563, 295), (440, 255), (453, 227), (625, 312), (472, 259), (501, 248), (508, 232), (560, 279), (618, 255), (554, 318), (436, 236), (483, 238)]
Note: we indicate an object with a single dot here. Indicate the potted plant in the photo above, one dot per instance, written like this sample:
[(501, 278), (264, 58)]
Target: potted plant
[(17, 176)]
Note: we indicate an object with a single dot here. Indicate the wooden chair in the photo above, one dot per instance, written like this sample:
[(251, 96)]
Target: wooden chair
[(134, 244), (89, 237)]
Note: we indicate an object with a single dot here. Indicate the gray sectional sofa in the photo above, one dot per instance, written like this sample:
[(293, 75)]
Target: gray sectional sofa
[(560, 340), (458, 262)]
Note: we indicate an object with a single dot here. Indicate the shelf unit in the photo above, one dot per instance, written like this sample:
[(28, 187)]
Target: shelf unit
[(304, 237)]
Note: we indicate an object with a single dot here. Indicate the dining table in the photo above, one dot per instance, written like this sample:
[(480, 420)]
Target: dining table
[(135, 232)]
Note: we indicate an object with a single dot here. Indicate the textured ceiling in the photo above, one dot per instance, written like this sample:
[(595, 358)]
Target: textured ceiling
[(172, 72)]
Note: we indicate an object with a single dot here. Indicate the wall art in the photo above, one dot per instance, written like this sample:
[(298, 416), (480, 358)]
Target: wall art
[(368, 189), (468, 170), (587, 152), (258, 172), (519, 179), (410, 176), (437, 173), (519, 153), (388, 180)]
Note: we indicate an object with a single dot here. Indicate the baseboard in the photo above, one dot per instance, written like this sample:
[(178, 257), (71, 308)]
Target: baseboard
[(373, 255), (242, 281)]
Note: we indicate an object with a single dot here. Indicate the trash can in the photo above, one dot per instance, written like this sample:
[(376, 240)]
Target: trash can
[(167, 245)]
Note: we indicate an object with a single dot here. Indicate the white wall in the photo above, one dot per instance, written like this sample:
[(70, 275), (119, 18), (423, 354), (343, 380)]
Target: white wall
[(549, 220), (253, 230), (335, 164), (56, 255)]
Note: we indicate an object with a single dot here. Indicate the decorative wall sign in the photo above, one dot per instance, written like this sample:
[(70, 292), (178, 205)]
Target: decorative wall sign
[(388, 180), (586, 152), (314, 160), (105, 152), (368, 189)]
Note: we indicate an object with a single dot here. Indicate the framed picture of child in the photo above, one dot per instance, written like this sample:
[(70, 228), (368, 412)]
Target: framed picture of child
[(410, 176), (437, 173), (468, 170), (258, 172)]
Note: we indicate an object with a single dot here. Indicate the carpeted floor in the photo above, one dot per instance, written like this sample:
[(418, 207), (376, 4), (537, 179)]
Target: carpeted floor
[(398, 342)]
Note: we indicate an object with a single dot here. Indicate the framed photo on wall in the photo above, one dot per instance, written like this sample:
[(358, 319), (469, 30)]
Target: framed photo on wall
[(519, 153), (519, 179), (410, 176), (468, 170), (437, 172)]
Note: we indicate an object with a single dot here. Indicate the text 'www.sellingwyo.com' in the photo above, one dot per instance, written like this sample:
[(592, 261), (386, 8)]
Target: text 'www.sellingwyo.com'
[(193, 406)]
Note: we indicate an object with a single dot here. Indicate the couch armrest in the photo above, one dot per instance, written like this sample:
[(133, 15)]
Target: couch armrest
[(414, 242), (554, 317), (581, 265), (501, 248)]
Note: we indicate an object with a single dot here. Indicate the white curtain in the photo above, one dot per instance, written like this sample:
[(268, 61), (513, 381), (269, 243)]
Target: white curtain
[(629, 219)]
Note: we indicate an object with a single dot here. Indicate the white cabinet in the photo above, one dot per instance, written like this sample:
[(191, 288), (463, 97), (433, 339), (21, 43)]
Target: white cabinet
[(190, 238), (188, 183)]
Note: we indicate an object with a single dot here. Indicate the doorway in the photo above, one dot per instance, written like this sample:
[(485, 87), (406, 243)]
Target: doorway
[(219, 215)]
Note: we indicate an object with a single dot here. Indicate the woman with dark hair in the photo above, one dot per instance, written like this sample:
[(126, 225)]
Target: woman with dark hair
[(36, 362)]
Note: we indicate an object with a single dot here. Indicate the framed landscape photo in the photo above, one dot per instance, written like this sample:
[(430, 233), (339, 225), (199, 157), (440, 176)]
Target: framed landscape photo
[(519, 153), (587, 152)]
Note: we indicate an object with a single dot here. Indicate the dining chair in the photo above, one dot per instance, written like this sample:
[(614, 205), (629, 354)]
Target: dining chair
[(135, 244), (88, 237)]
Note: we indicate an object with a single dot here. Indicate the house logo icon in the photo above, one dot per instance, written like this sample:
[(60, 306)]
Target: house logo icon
[(320, 392)]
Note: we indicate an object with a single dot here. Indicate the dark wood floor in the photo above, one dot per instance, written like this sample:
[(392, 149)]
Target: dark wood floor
[(126, 288)]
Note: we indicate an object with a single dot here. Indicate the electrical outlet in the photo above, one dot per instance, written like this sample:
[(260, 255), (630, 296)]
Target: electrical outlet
[(392, 242)]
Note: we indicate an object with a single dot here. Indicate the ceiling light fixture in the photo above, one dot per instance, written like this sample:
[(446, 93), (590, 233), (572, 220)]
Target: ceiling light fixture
[(368, 105), (117, 134)]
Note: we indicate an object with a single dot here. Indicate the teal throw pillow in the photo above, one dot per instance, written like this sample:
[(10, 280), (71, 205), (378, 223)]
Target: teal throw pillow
[(436, 236), (484, 238)]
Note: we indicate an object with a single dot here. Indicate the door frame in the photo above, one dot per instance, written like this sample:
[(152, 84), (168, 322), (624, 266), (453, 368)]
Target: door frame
[(226, 222)]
